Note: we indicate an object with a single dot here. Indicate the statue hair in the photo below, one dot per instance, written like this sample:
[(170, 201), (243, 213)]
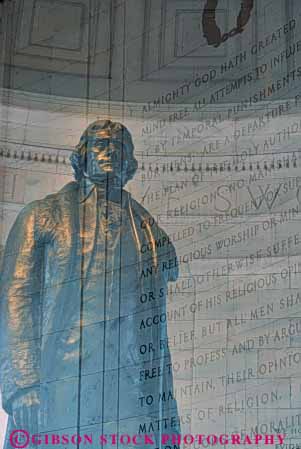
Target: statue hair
[(77, 157)]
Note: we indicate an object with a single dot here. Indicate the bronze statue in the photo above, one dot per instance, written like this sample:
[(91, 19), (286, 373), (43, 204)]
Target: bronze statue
[(80, 347)]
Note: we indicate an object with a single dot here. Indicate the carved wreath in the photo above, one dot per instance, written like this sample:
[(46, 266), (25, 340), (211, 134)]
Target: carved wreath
[(212, 32)]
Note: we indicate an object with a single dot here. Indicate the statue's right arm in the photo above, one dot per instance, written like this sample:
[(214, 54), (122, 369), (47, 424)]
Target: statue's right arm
[(20, 311)]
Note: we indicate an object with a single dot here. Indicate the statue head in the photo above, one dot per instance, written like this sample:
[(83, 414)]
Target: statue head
[(105, 152)]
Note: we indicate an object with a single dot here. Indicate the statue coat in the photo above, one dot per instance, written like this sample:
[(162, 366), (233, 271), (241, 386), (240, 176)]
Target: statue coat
[(82, 280)]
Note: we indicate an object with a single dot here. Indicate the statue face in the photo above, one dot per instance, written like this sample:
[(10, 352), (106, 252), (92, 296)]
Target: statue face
[(106, 157)]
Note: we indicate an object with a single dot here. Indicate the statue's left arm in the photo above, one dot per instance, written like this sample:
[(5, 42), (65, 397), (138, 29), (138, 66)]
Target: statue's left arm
[(20, 310)]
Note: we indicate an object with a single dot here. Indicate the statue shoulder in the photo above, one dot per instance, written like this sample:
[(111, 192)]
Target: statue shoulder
[(163, 245), (38, 214), (146, 218), (66, 192)]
